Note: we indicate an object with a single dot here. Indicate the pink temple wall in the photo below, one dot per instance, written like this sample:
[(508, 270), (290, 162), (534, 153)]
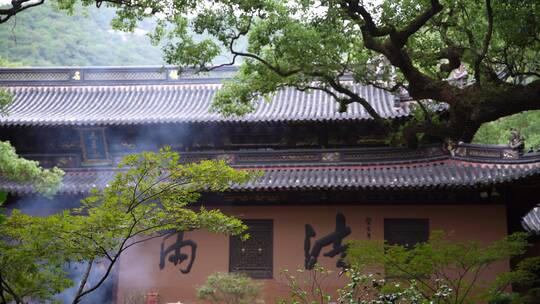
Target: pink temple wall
[(139, 271)]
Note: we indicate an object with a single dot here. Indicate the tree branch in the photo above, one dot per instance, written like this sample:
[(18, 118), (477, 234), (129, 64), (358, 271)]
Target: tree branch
[(233, 40), (17, 6), (83, 281), (453, 54), (336, 85), (476, 276), (323, 89), (142, 241), (513, 99), (111, 264), (4, 301), (485, 46), (400, 38), (416, 277), (78, 298), (421, 86), (103, 250), (424, 110), (9, 290), (358, 13)]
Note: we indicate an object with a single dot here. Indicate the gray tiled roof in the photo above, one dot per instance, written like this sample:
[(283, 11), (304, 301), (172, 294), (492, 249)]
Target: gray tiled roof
[(439, 174), (531, 222), (177, 103), (448, 173)]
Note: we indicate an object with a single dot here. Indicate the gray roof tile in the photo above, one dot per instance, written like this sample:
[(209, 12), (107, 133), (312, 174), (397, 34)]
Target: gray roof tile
[(531, 222), (177, 103), (450, 174)]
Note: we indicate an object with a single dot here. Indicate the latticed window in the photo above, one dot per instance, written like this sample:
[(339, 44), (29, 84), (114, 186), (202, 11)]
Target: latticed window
[(406, 232), (253, 256)]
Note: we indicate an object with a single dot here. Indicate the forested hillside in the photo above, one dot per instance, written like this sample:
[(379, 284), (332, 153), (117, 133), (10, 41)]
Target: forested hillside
[(44, 36)]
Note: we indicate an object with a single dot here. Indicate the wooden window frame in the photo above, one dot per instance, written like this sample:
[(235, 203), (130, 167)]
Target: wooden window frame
[(404, 222), (266, 270)]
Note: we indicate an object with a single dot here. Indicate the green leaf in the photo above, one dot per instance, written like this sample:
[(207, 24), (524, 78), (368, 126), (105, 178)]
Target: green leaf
[(151, 195)]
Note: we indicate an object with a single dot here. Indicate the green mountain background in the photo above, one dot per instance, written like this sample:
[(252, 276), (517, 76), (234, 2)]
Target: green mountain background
[(44, 36)]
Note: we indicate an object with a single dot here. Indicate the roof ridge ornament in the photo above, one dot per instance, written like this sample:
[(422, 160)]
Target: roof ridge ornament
[(451, 146), (516, 141), (173, 74), (76, 75)]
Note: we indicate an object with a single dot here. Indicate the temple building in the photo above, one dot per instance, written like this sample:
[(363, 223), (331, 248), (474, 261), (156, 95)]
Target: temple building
[(327, 175)]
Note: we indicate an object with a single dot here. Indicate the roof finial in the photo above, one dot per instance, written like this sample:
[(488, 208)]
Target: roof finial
[(516, 140)]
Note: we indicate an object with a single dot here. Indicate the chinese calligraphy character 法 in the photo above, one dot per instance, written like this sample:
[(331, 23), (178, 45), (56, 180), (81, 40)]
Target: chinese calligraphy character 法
[(175, 250), (335, 238)]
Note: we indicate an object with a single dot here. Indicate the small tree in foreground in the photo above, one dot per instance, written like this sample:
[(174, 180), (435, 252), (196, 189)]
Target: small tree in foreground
[(444, 266), (18, 169), (149, 195), (437, 272), (311, 287), (308, 286), (230, 288)]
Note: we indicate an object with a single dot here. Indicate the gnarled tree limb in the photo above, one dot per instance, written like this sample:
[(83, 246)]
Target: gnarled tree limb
[(17, 6)]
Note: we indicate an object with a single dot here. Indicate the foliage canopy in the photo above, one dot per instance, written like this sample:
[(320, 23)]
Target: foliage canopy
[(441, 271), (18, 169), (399, 45), (412, 47), (149, 197), (458, 266)]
